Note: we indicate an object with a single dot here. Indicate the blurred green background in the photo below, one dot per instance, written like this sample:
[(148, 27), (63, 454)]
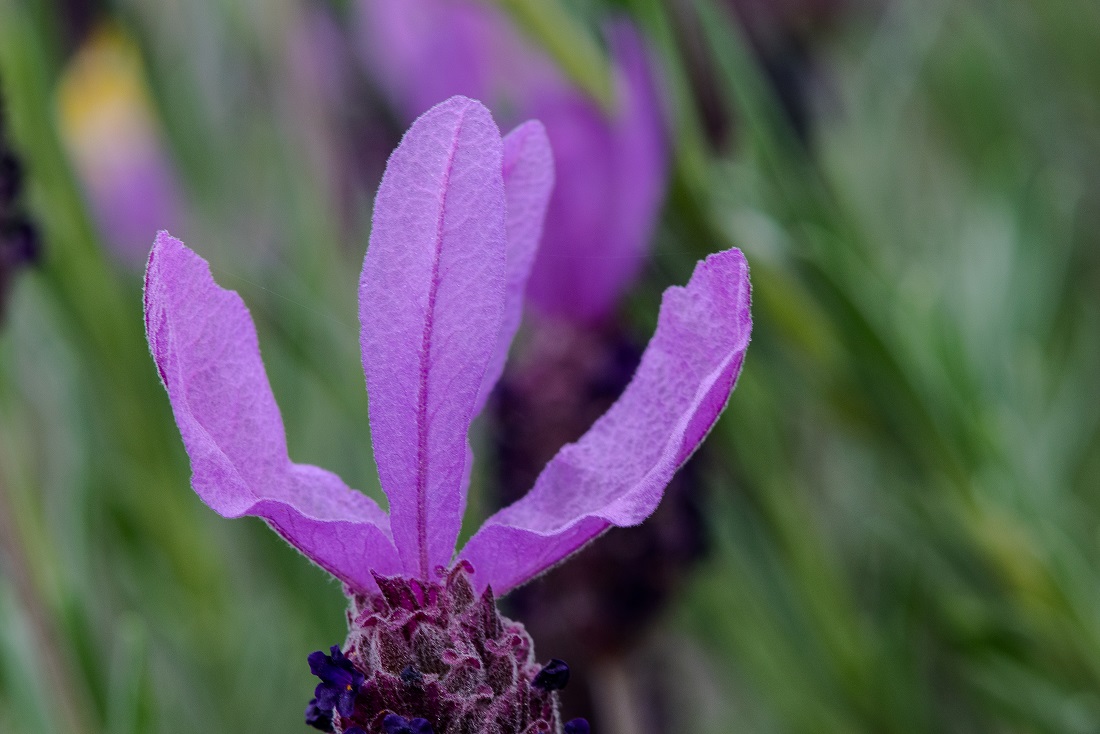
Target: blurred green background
[(905, 503)]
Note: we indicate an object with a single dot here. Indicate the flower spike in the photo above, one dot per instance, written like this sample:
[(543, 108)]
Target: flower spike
[(455, 224)]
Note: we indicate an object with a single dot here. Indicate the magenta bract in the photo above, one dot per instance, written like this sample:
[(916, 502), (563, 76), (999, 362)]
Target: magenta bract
[(456, 222)]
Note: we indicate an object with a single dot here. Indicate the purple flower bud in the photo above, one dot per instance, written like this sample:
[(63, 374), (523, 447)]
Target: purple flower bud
[(437, 658)]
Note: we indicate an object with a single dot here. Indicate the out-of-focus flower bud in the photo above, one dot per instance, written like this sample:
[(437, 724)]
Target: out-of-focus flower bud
[(110, 130)]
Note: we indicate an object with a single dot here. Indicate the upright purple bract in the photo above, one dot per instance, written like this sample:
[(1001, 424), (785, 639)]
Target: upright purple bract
[(431, 302), (455, 225)]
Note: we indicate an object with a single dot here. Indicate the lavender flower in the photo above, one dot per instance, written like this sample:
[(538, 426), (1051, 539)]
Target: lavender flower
[(456, 222), (611, 168)]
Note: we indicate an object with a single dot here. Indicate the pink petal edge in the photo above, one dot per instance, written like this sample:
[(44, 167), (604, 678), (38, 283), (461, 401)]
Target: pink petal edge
[(431, 298), (617, 472), (206, 350)]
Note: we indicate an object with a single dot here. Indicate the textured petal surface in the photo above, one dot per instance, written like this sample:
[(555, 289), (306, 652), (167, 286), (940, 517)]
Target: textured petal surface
[(528, 181), (204, 343), (610, 182), (616, 473), (430, 302)]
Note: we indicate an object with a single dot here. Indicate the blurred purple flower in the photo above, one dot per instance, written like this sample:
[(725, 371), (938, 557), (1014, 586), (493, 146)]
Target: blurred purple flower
[(456, 223), (611, 168), (109, 128)]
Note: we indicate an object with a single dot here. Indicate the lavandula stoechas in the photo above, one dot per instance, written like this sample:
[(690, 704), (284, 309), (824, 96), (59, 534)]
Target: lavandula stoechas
[(456, 223)]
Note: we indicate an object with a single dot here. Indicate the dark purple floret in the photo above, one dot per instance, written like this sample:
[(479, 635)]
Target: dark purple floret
[(554, 676), (340, 681), (318, 717), (577, 726), (394, 724)]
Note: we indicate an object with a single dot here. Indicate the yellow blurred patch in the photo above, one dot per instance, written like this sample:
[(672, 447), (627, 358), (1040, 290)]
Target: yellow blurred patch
[(103, 101)]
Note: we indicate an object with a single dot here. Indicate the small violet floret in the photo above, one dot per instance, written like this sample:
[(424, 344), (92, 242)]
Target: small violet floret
[(340, 681), (457, 220)]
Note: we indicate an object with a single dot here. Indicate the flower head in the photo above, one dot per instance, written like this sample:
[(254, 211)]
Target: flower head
[(456, 222)]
